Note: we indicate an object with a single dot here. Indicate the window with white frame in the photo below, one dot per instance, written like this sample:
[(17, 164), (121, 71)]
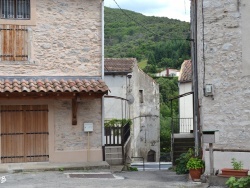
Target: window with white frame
[(15, 9)]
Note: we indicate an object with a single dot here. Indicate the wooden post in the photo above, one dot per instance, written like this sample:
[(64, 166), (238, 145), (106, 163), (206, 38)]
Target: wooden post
[(211, 157), (74, 111)]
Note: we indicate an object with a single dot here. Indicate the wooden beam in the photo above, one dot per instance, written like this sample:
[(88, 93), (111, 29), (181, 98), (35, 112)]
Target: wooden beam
[(74, 111)]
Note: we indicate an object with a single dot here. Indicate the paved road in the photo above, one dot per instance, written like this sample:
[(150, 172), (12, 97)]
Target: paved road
[(146, 179)]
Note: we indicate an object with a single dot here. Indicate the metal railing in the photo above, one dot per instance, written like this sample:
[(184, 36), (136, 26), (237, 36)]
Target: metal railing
[(143, 163), (182, 125), (117, 136)]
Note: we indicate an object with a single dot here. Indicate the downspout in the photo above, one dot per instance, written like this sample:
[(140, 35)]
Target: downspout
[(103, 112), (103, 39), (195, 81)]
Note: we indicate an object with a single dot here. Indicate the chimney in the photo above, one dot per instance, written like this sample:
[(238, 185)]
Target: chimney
[(167, 72)]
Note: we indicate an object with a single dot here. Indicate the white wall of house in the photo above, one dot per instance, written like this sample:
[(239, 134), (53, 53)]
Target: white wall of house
[(185, 107), (226, 60), (146, 120), (172, 72), (145, 130), (115, 108)]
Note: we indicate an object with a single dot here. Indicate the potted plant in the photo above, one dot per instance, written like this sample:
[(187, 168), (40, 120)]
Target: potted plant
[(236, 171), (195, 166)]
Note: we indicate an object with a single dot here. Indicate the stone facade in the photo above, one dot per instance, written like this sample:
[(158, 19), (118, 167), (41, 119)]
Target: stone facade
[(73, 138), (224, 64), (65, 40)]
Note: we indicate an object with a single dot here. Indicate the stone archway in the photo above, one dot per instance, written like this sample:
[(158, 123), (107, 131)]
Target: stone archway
[(151, 156)]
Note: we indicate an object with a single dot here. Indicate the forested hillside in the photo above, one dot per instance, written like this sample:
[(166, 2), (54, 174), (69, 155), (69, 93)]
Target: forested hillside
[(161, 41)]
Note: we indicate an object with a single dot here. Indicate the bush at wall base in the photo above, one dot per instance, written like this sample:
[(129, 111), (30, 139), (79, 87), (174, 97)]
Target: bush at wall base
[(234, 182)]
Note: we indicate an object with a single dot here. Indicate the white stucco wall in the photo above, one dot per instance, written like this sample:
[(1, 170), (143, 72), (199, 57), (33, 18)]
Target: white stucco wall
[(145, 130), (226, 52), (115, 108), (186, 106)]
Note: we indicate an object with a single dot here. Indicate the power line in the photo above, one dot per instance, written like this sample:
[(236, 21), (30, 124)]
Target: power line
[(143, 25)]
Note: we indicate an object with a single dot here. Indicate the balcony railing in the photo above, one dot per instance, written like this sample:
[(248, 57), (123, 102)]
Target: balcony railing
[(117, 136), (182, 125)]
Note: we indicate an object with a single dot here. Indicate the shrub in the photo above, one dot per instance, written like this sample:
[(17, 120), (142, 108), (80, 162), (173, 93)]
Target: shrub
[(195, 163), (181, 162), (237, 165), (233, 182)]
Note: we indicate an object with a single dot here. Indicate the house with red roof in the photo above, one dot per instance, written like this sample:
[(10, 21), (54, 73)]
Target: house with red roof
[(51, 87), (133, 95)]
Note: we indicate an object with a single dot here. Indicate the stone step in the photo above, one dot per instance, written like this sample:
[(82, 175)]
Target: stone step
[(115, 161), (114, 153)]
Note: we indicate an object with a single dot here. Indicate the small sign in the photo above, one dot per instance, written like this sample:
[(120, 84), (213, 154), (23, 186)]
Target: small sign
[(88, 127)]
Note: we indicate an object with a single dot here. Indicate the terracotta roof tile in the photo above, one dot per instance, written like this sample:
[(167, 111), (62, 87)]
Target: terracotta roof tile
[(53, 86), (186, 71), (119, 64)]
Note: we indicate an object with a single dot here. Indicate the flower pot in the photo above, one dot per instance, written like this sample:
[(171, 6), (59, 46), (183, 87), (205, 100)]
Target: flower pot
[(195, 173), (228, 172)]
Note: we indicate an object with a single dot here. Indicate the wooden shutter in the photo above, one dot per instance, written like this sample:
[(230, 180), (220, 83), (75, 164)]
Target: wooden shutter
[(14, 43)]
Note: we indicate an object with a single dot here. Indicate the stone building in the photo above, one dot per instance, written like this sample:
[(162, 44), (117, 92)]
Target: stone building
[(220, 34), (51, 87), (128, 82)]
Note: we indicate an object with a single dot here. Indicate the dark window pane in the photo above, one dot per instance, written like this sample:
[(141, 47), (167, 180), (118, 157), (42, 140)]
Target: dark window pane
[(19, 9)]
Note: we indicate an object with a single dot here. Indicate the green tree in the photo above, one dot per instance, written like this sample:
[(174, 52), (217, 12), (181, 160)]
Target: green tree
[(151, 59), (168, 90)]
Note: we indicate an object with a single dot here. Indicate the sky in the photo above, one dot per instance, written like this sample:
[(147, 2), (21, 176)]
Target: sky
[(177, 9)]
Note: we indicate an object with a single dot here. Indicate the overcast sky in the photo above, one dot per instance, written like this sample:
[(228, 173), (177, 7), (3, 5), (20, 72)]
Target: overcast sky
[(177, 9)]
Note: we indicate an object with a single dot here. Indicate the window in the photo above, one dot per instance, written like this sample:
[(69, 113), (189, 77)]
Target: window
[(14, 43), (141, 96), (15, 9)]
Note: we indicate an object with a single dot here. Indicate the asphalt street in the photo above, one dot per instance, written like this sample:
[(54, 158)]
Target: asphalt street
[(82, 179)]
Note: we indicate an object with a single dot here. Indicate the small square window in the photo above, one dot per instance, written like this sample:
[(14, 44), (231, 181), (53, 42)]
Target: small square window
[(15, 9), (141, 96)]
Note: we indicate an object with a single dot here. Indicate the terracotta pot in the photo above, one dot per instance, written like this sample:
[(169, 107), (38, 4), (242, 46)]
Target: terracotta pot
[(228, 172), (195, 173)]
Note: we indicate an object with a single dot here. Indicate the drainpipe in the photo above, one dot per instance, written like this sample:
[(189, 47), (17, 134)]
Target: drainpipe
[(103, 39), (195, 78), (103, 113)]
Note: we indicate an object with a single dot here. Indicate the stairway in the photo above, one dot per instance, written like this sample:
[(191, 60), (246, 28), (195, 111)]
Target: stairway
[(113, 155), (182, 142)]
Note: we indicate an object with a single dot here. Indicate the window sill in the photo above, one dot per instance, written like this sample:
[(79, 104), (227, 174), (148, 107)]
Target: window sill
[(17, 63)]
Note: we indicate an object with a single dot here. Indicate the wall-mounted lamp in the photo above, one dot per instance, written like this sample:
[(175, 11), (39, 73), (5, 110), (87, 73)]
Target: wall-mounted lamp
[(129, 75)]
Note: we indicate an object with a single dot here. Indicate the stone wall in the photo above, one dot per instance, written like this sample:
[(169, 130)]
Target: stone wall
[(70, 137), (222, 65), (66, 40), (145, 116)]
